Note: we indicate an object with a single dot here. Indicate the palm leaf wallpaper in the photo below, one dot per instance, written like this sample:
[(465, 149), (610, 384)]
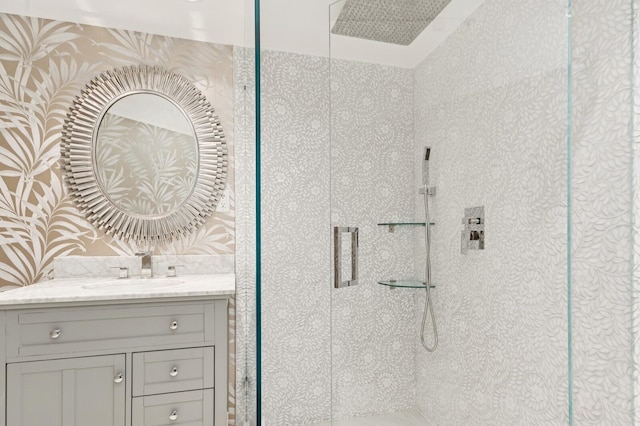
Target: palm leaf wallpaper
[(43, 65)]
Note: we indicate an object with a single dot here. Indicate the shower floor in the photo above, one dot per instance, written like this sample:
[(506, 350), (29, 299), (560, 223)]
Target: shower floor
[(405, 418)]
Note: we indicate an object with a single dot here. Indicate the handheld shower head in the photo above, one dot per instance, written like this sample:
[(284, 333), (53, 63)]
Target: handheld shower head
[(425, 165)]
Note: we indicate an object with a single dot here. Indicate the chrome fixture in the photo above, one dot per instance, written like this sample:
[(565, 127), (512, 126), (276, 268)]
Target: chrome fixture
[(425, 166), (123, 271), (472, 235), (428, 303), (146, 266), (430, 191), (425, 174), (172, 270), (338, 282)]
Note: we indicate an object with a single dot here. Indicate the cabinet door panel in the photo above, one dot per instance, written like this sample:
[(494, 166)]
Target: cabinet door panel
[(39, 400), (67, 392)]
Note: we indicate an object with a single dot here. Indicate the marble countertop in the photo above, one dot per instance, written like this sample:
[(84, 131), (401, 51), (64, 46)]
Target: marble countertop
[(82, 290)]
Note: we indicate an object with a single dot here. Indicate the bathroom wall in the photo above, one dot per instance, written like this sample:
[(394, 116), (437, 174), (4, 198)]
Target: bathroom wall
[(43, 65), (492, 103)]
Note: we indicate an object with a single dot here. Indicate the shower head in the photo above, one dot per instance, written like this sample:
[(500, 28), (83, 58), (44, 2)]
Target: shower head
[(425, 165), (389, 21)]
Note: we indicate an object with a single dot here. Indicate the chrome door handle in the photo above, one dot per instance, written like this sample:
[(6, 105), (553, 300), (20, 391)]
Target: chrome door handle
[(55, 333), (173, 416), (173, 325), (338, 282), (119, 378), (173, 372)]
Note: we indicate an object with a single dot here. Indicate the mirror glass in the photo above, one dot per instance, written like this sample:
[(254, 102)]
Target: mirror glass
[(146, 155)]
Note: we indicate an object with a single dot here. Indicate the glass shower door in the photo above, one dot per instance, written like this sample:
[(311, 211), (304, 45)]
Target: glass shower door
[(293, 204), (372, 183)]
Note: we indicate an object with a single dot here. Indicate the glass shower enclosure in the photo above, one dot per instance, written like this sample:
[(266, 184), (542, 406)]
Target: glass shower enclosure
[(526, 109)]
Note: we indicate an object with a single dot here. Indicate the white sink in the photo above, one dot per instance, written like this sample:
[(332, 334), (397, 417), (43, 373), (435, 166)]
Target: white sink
[(147, 283)]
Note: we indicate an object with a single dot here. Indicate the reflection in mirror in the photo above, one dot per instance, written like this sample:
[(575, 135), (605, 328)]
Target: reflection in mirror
[(146, 155)]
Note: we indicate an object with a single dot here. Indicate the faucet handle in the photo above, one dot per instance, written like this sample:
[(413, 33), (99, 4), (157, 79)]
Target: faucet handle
[(123, 271), (171, 270)]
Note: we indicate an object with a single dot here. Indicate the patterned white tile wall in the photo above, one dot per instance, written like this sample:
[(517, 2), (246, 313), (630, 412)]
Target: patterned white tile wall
[(602, 212), (503, 312), (371, 148), (295, 241), (491, 102)]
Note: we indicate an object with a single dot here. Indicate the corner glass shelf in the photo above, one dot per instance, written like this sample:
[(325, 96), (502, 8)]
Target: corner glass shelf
[(403, 283), (392, 225)]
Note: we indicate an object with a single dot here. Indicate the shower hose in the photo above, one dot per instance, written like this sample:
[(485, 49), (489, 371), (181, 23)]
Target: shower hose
[(428, 303)]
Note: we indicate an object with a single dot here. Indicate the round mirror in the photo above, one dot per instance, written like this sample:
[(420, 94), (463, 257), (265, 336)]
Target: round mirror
[(144, 154)]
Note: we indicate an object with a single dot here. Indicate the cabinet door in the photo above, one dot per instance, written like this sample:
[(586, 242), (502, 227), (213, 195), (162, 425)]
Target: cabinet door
[(67, 392)]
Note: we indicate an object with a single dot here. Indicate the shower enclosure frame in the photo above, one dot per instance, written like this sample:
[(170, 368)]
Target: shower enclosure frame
[(570, 198)]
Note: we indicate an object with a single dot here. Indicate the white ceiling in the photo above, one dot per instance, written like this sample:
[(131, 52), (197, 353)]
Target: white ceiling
[(299, 26)]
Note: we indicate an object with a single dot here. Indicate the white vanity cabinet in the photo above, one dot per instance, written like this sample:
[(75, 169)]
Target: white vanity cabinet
[(130, 363)]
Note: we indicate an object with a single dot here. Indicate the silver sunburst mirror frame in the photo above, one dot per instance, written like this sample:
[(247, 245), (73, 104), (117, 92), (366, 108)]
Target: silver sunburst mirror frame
[(79, 138)]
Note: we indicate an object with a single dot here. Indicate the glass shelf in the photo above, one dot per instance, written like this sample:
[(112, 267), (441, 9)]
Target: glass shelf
[(392, 225), (403, 283)]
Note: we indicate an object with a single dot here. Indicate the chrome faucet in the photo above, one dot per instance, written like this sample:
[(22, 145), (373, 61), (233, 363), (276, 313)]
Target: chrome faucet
[(146, 266)]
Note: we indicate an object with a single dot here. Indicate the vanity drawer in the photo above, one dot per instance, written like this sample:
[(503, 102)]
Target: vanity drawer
[(194, 408), (65, 330), (172, 370)]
